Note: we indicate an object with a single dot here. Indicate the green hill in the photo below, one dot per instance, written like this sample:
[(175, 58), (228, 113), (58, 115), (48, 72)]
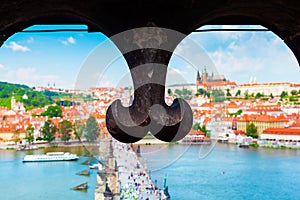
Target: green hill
[(35, 98)]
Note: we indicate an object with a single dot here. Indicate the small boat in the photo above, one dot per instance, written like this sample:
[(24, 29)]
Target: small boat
[(243, 145), (51, 156), (223, 139), (94, 166), (26, 148)]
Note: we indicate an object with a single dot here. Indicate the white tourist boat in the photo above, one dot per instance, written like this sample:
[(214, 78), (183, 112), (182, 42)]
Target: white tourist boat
[(51, 156), (223, 139)]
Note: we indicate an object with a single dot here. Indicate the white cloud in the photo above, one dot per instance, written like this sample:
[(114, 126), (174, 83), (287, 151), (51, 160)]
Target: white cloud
[(29, 76), (240, 55), (264, 56), (64, 42), (173, 71), (17, 47), (69, 40), (2, 66)]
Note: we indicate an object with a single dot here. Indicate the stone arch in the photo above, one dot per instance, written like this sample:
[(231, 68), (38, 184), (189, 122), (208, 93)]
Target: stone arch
[(112, 17), (54, 17)]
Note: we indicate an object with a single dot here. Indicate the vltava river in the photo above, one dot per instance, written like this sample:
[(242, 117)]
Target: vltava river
[(43, 180), (193, 172), (225, 171)]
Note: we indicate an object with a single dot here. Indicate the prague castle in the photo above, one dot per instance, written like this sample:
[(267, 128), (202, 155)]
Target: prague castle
[(210, 82)]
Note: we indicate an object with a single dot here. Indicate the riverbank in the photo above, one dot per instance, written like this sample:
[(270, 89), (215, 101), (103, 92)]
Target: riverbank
[(5, 146), (150, 141), (153, 141), (75, 143)]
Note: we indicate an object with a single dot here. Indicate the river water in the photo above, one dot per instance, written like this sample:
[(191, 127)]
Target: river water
[(43, 180), (193, 172), (225, 171)]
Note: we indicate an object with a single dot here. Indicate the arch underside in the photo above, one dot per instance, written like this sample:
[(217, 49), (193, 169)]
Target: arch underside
[(114, 16)]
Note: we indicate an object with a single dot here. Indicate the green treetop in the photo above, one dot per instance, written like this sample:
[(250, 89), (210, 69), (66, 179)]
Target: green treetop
[(251, 130), (29, 134), (65, 129), (92, 130), (49, 131)]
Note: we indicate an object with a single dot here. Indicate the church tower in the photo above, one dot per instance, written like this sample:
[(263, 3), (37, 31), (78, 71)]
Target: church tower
[(204, 75), (12, 102), (198, 79)]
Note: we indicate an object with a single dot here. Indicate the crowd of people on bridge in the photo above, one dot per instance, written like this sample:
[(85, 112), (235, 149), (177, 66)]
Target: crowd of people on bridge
[(135, 184)]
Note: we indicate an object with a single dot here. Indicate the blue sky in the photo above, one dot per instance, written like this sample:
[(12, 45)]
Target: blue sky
[(58, 58)]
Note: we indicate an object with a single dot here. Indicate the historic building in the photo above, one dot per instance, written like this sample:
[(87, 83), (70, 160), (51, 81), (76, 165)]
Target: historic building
[(210, 82), (261, 122), (17, 107), (281, 134), (267, 89)]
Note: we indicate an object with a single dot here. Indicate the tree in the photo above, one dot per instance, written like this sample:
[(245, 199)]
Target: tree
[(237, 113), (283, 94), (238, 93), (169, 92), (246, 94), (205, 130), (65, 103), (202, 128), (92, 130), (208, 94), (29, 134), (49, 131), (184, 93), (78, 129), (196, 126), (228, 94), (53, 111), (294, 92), (65, 129), (258, 95), (177, 91), (218, 95), (251, 130), (201, 91), (16, 135), (271, 96)]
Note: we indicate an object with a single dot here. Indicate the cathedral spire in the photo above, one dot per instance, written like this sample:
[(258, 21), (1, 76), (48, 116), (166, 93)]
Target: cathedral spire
[(198, 79), (198, 76), (205, 70)]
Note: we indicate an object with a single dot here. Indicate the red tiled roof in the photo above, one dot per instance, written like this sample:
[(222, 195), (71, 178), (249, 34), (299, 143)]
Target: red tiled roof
[(282, 131), (239, 132), (195, 132), (257, 84), (262, 118)]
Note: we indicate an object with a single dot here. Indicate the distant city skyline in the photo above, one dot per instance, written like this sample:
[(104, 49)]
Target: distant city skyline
[(39, 59)]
